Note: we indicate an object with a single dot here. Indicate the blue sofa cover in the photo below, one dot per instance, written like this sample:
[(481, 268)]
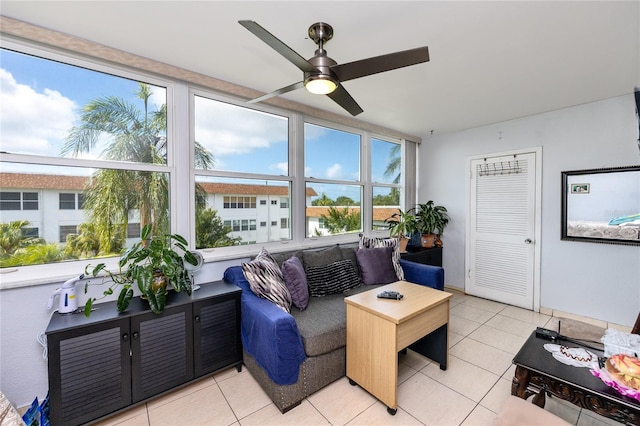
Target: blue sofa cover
[(271, 335)]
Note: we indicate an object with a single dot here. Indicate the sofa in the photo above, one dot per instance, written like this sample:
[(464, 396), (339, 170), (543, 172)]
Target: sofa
[(292, 353)]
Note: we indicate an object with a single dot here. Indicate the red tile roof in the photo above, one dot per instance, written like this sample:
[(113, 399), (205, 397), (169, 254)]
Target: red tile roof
[(77, 183), (379, 213)]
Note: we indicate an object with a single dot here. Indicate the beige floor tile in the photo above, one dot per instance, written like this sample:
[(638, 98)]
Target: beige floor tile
[(454, 338), (303, 414), (180, 393), (589, 418), (502, 340), (563, 409), (511, 325), (480, 416), (497, 396), (341, 402), (377, 415), (433, 403), (206, 406), (510, 373), (457, 298), (463, 377), (525, 315), (462, 326), (414, 360), (470, 313), (136, 416), (485, 305), (244, 394), (404, 372), (482, 355), (227, 373)]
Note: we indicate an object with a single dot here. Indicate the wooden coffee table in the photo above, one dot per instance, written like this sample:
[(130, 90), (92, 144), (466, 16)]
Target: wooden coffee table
[(377, 329), (538, 373)]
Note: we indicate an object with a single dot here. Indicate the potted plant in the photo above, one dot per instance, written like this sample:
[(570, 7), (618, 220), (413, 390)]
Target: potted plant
[(431, 221), (401, 224), (151, 263)]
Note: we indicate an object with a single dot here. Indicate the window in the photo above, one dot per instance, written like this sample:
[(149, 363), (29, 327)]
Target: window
[(239, 154), (386, 175), (91, 169), (29, 232), (133, 230), (67, 201), (250, 162), (66, 230), (239, 202), (18, 200), (333, 185)]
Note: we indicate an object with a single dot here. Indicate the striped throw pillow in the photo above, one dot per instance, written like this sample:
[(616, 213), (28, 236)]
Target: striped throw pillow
[(372, 242), (266, 280), (332, 278)]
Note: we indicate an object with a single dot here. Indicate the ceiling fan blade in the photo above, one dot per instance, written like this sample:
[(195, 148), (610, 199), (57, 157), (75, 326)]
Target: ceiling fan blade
[(294, 86), (377, 64), (277, 45), (344, 99)]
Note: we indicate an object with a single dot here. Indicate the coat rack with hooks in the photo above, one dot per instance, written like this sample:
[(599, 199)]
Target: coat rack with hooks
[(499, 167)]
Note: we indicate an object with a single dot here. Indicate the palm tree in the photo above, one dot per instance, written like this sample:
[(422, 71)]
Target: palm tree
[(395, 163), (138, 137)]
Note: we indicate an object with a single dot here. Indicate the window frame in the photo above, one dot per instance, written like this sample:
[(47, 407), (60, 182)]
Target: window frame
[(180, 168)]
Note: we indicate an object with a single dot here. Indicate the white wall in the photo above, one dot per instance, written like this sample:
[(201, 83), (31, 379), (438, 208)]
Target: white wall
[(594, 280), (23, 314)]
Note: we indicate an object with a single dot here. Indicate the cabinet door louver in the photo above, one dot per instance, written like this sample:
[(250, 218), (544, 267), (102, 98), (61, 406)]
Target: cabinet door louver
[(162, 351), (92, 379), (216, 335)]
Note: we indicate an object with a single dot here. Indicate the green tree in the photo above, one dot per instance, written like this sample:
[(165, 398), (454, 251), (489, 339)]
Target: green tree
[(343, 200), (395, 163), (137, 136), (323, 200), (342, 220), (35, 254), (210, 230), (12, 238), (86, 242)]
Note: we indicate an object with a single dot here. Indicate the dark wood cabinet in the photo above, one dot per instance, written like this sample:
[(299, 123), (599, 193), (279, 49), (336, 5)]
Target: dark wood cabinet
[(427, 256), (107, 362)]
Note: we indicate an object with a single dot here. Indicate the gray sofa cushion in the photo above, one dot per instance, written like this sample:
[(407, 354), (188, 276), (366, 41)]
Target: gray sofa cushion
[(323, 325), (321, 257)]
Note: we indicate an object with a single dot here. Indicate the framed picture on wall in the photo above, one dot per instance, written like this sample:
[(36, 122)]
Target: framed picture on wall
[(601, 205), (580, 188)]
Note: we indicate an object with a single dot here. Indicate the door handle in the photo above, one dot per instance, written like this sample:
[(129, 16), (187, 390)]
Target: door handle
[(528, 241)]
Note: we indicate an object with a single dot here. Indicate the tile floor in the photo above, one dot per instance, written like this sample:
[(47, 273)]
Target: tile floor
[(484, 337)]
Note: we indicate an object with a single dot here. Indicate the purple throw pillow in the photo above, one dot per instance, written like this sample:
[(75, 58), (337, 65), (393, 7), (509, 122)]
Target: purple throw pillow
[(376, 266), (296, 281)]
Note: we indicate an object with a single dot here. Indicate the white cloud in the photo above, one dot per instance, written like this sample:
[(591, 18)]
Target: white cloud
[(281, 168), (334, 171), (33, 122), (226, 129)]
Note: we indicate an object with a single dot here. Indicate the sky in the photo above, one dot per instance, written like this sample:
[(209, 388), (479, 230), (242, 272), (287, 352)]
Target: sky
[(41, 100)]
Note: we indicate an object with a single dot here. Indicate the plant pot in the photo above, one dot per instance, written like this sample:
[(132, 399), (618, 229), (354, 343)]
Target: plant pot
[(428, 240), (416, 240), (403, 244), (159, 281)]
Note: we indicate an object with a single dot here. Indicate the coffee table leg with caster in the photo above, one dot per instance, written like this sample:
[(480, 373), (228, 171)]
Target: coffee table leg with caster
[(392, 411)]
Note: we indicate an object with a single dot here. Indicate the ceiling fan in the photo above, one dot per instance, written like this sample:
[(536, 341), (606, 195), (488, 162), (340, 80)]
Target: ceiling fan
[(322, 75)]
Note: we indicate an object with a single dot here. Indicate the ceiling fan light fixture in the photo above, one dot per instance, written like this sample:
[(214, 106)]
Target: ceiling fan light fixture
[(320, 84)]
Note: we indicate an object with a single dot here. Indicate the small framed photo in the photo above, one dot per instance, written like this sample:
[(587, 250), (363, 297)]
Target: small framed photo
[(580, 188)]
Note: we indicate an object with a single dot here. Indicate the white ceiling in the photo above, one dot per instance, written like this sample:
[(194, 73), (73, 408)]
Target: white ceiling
[(490, 61)]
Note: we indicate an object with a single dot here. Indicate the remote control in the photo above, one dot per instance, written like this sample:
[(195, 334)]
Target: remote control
[(390, 295)]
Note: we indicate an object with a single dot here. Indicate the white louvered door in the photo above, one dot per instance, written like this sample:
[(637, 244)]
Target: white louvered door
[(501, 252)]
